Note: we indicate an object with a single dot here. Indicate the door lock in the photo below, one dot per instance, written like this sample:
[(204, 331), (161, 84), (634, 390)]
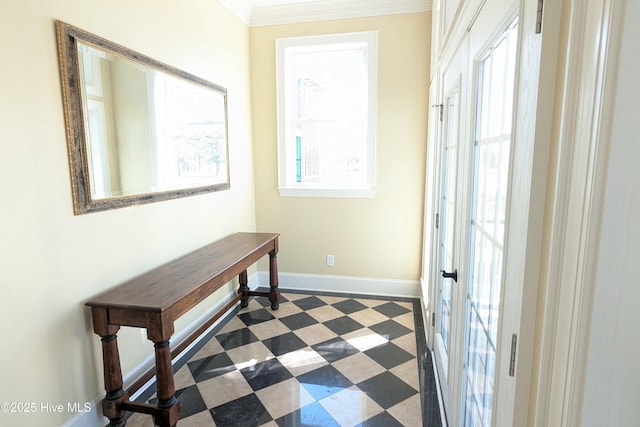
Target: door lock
[(453, 275)]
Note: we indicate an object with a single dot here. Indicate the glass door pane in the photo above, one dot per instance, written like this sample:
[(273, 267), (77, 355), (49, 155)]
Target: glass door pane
[(491, 156)]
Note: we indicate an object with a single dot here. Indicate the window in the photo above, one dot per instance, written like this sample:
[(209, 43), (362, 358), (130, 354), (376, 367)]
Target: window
[(326, 115)]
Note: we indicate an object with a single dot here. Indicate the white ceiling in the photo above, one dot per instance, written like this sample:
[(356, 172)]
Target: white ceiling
[(273, 12)]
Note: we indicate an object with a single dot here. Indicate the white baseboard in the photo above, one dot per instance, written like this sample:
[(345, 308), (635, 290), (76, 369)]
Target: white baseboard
[(93, 417), (344, 284)]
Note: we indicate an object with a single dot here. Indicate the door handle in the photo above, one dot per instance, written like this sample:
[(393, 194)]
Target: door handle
[(453, 275)]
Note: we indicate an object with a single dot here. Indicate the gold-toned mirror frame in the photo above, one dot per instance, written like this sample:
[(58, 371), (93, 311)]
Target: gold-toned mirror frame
[(67, 39)]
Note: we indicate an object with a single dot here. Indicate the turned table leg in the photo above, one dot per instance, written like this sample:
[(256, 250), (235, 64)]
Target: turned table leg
[(115, 394), (274, 293), (167, 411), (243, 279)]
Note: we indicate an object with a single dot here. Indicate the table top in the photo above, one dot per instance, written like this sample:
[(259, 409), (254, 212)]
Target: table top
[(193, 276)]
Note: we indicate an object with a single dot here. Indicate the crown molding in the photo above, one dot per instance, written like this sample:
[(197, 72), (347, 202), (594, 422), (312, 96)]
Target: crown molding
[(320, 10), (240, 8), (333, 9)]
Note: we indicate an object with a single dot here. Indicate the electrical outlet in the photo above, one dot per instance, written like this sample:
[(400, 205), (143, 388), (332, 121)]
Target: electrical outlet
[(330, 260)]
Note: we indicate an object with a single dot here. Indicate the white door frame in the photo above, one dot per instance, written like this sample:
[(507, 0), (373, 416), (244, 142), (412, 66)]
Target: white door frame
[(584, 122)]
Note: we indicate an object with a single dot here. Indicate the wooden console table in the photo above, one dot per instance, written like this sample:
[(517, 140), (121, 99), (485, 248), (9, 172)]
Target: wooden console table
[(157, 298)]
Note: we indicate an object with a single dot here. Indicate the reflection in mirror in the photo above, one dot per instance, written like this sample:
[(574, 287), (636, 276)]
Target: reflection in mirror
[(138, 130)]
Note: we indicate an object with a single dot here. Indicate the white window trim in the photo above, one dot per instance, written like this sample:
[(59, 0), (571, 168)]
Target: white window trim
[(305, 190)]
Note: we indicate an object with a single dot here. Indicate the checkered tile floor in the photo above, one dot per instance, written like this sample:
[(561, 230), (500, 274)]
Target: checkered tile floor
[(319, 360)]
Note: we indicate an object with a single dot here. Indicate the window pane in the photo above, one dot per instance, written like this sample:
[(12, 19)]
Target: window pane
[(325, 111)]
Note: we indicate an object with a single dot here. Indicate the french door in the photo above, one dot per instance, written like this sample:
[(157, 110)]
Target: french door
[(472, 201), (448, 297), (494, 73)]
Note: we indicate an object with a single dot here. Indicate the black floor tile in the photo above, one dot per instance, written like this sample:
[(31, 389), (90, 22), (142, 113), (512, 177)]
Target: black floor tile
[(349, 306), (254, 317), (386, 389), (381, 420), (390, 329), (342, 325), (308, 416), (324, 382), (237, 338), (283, 344), (247, 411), (389, 355), (309, 303), (429, 392), (335, 349), (391, 309), (265, 301), (298, 321), (190, 401), (265, 374), (211, 366)]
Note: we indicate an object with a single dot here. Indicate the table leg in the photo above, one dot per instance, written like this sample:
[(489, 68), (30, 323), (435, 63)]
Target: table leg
[(115, 394), (243, 279), (112, 382), (159, 330), (274, 293), (168, 409)]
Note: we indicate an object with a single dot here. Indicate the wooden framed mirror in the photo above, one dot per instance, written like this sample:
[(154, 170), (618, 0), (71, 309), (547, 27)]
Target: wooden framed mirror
[(138, 130)]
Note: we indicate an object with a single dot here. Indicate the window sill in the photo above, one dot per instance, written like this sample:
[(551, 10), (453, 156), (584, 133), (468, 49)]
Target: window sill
[(326, 192)]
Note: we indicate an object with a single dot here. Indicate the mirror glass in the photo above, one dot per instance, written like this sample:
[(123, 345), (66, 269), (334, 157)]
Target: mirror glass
[(138, 130)]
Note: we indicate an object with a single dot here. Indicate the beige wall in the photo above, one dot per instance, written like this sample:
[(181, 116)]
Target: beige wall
[(379, 237), (51, 261)]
